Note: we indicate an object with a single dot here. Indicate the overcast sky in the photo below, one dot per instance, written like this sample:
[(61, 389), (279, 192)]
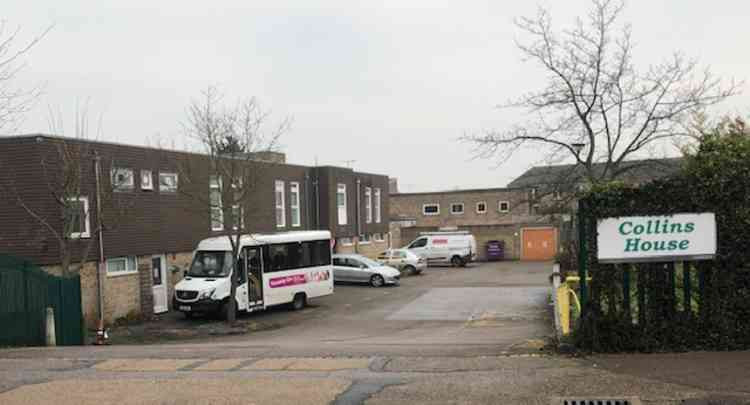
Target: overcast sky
[(390, 85)]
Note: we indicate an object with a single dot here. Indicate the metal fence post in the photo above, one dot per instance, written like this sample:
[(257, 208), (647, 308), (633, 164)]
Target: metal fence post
[(582, 255), (626, 291), (688, 298)]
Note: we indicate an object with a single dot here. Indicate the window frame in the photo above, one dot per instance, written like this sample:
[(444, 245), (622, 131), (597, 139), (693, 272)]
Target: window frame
[(484, 211), (368, 205), (294, 189), (124, 272), (217, 185), (424, 206), (147, 174), (378, 237), (346, 241), (163, 188), (114, 171), (342, 219), (463, 210), (500, 207), (364, 239), (279, 189), (378, 216), (86, 233)]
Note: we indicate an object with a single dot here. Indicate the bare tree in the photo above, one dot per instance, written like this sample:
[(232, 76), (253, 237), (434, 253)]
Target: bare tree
[(14, 101), (68, 167), (232, 140), (596, 100)]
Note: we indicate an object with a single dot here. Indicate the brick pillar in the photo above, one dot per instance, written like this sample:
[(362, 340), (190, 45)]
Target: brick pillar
[(147, 293)]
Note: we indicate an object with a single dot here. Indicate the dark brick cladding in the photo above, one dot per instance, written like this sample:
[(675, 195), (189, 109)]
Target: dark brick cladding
[(161, 222)]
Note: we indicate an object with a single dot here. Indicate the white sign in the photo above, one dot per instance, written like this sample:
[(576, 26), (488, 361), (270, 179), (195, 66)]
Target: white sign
[(657, 238)]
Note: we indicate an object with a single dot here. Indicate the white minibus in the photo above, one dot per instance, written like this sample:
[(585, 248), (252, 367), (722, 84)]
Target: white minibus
[(274, 269)]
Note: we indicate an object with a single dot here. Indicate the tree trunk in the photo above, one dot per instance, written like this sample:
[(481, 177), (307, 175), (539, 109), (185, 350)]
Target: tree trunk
[(232, 304)]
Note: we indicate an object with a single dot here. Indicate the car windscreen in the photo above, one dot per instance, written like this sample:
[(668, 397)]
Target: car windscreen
[(211, 264)]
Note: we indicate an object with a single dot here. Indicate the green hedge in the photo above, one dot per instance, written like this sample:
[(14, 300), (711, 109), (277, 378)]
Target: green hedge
[(676, 306)]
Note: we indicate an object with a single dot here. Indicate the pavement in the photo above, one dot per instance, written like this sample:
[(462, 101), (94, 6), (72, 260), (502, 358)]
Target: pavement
[(453, 336)]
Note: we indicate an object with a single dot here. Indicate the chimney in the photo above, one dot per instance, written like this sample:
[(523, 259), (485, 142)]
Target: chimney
[(392, 185)]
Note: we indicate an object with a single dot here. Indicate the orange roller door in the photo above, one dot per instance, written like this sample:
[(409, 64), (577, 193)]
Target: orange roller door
[(539, 243)]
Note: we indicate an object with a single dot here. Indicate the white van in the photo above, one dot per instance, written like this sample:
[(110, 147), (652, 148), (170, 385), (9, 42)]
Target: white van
[(274, 269), (456, 247)]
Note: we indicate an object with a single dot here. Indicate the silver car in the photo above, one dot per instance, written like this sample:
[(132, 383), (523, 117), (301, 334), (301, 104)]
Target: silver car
[(359, 269), (404, 260)]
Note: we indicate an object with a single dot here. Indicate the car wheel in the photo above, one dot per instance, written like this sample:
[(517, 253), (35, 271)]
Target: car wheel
[(188, 315), (456, 261), (377, 281), (299, 301), (410, 269)]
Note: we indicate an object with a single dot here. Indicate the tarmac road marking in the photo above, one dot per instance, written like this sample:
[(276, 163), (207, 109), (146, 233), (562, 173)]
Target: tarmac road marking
[(144, 364), (221, 365), (309, 364)]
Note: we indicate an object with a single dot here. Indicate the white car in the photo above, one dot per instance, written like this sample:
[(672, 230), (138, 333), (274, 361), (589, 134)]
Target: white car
[(404, 260), (359, 269)]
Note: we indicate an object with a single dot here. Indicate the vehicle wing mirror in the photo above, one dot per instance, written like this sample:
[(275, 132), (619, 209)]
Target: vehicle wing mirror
[(184, 273)]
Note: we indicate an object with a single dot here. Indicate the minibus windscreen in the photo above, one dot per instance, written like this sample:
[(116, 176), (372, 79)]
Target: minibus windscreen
[(211, 264)]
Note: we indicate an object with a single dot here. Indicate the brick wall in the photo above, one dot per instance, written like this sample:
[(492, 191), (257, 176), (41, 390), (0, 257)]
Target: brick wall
[(370, 249), (411, 206)]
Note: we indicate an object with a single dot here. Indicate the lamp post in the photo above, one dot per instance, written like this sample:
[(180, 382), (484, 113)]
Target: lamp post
[(582, 238)]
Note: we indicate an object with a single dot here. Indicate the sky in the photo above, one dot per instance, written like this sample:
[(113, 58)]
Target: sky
[(384, 87)]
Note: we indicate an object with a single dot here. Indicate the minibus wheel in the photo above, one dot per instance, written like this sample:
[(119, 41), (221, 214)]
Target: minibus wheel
[(456, 261), (299, 301)]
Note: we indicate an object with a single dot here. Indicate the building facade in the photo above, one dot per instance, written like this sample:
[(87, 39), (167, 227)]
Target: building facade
[(154, 214), (504, 214)]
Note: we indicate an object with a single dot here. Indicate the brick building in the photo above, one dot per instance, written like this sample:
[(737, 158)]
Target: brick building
[(531, 215), (162, 223), (506, 214)]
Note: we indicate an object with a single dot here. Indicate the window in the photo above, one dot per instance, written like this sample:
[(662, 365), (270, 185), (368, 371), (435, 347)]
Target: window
[(503, 206), (168, 182), (535, 209), (364, 239), (297, 255), (345, 241), (481, 207), (147, 180), (341, 203), (280, 209), (457, 208), (294, 204), (378, 237), (122, 179), (431, 209), (557, 195), (78, 217), (421, 242), (368, 205), (121, 265), (214, 196), (377, 205)]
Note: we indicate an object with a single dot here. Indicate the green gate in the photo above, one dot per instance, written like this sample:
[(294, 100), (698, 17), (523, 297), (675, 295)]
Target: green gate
[(26, 291)]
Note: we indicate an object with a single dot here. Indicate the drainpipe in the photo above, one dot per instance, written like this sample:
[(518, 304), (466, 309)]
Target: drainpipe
[(316, 185), (100, 267), (359, 231), (307, 223)]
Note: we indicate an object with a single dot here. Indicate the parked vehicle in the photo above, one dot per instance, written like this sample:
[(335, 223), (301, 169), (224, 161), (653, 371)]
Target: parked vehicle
[(404, 260), (454, 248), (274, 269), (360, 269)]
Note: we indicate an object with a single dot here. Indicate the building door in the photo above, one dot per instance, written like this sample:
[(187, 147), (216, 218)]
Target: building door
[(159, 285), (538, 243)]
